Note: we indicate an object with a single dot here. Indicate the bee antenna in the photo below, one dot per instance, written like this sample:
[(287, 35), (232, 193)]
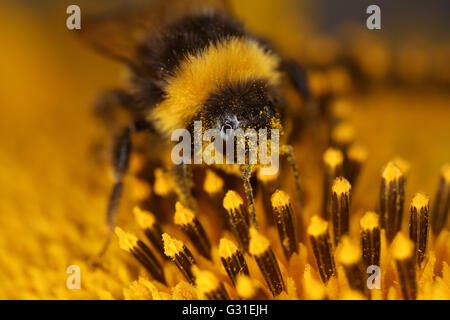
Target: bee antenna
[(249, 194), (121, 157)]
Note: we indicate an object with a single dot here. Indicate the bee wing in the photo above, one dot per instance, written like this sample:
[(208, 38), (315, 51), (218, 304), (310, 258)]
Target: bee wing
[(117, 33)]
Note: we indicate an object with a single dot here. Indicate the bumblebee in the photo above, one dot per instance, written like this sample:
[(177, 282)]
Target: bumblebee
[(190, 61)]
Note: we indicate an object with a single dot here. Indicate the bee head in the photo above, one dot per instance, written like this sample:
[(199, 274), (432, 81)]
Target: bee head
[(244, 105)]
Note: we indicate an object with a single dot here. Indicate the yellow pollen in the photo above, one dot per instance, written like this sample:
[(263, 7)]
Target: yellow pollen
[(127, 241), (245, 287), (317, 226), (349, 294), (183, 215), (280, 199), (266, 178), (162, 185), (313, 288), (206, 282), (420, 201), (227, 248), (445, 172), (369, 221), (137, 162), (171, 246), (402, 164), (341, 108), (333, 157), (232, 200), (391, 172), (348, 253), (144, 219), (341, 186), (275, 123), (357, 152), (141, 189), (344, 132), (213, 183), (402, 247), (318, 82), (258, 243)]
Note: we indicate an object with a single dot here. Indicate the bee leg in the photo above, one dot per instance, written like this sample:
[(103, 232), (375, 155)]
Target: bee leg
[(247, 173), (289, 151), (121, 157)]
